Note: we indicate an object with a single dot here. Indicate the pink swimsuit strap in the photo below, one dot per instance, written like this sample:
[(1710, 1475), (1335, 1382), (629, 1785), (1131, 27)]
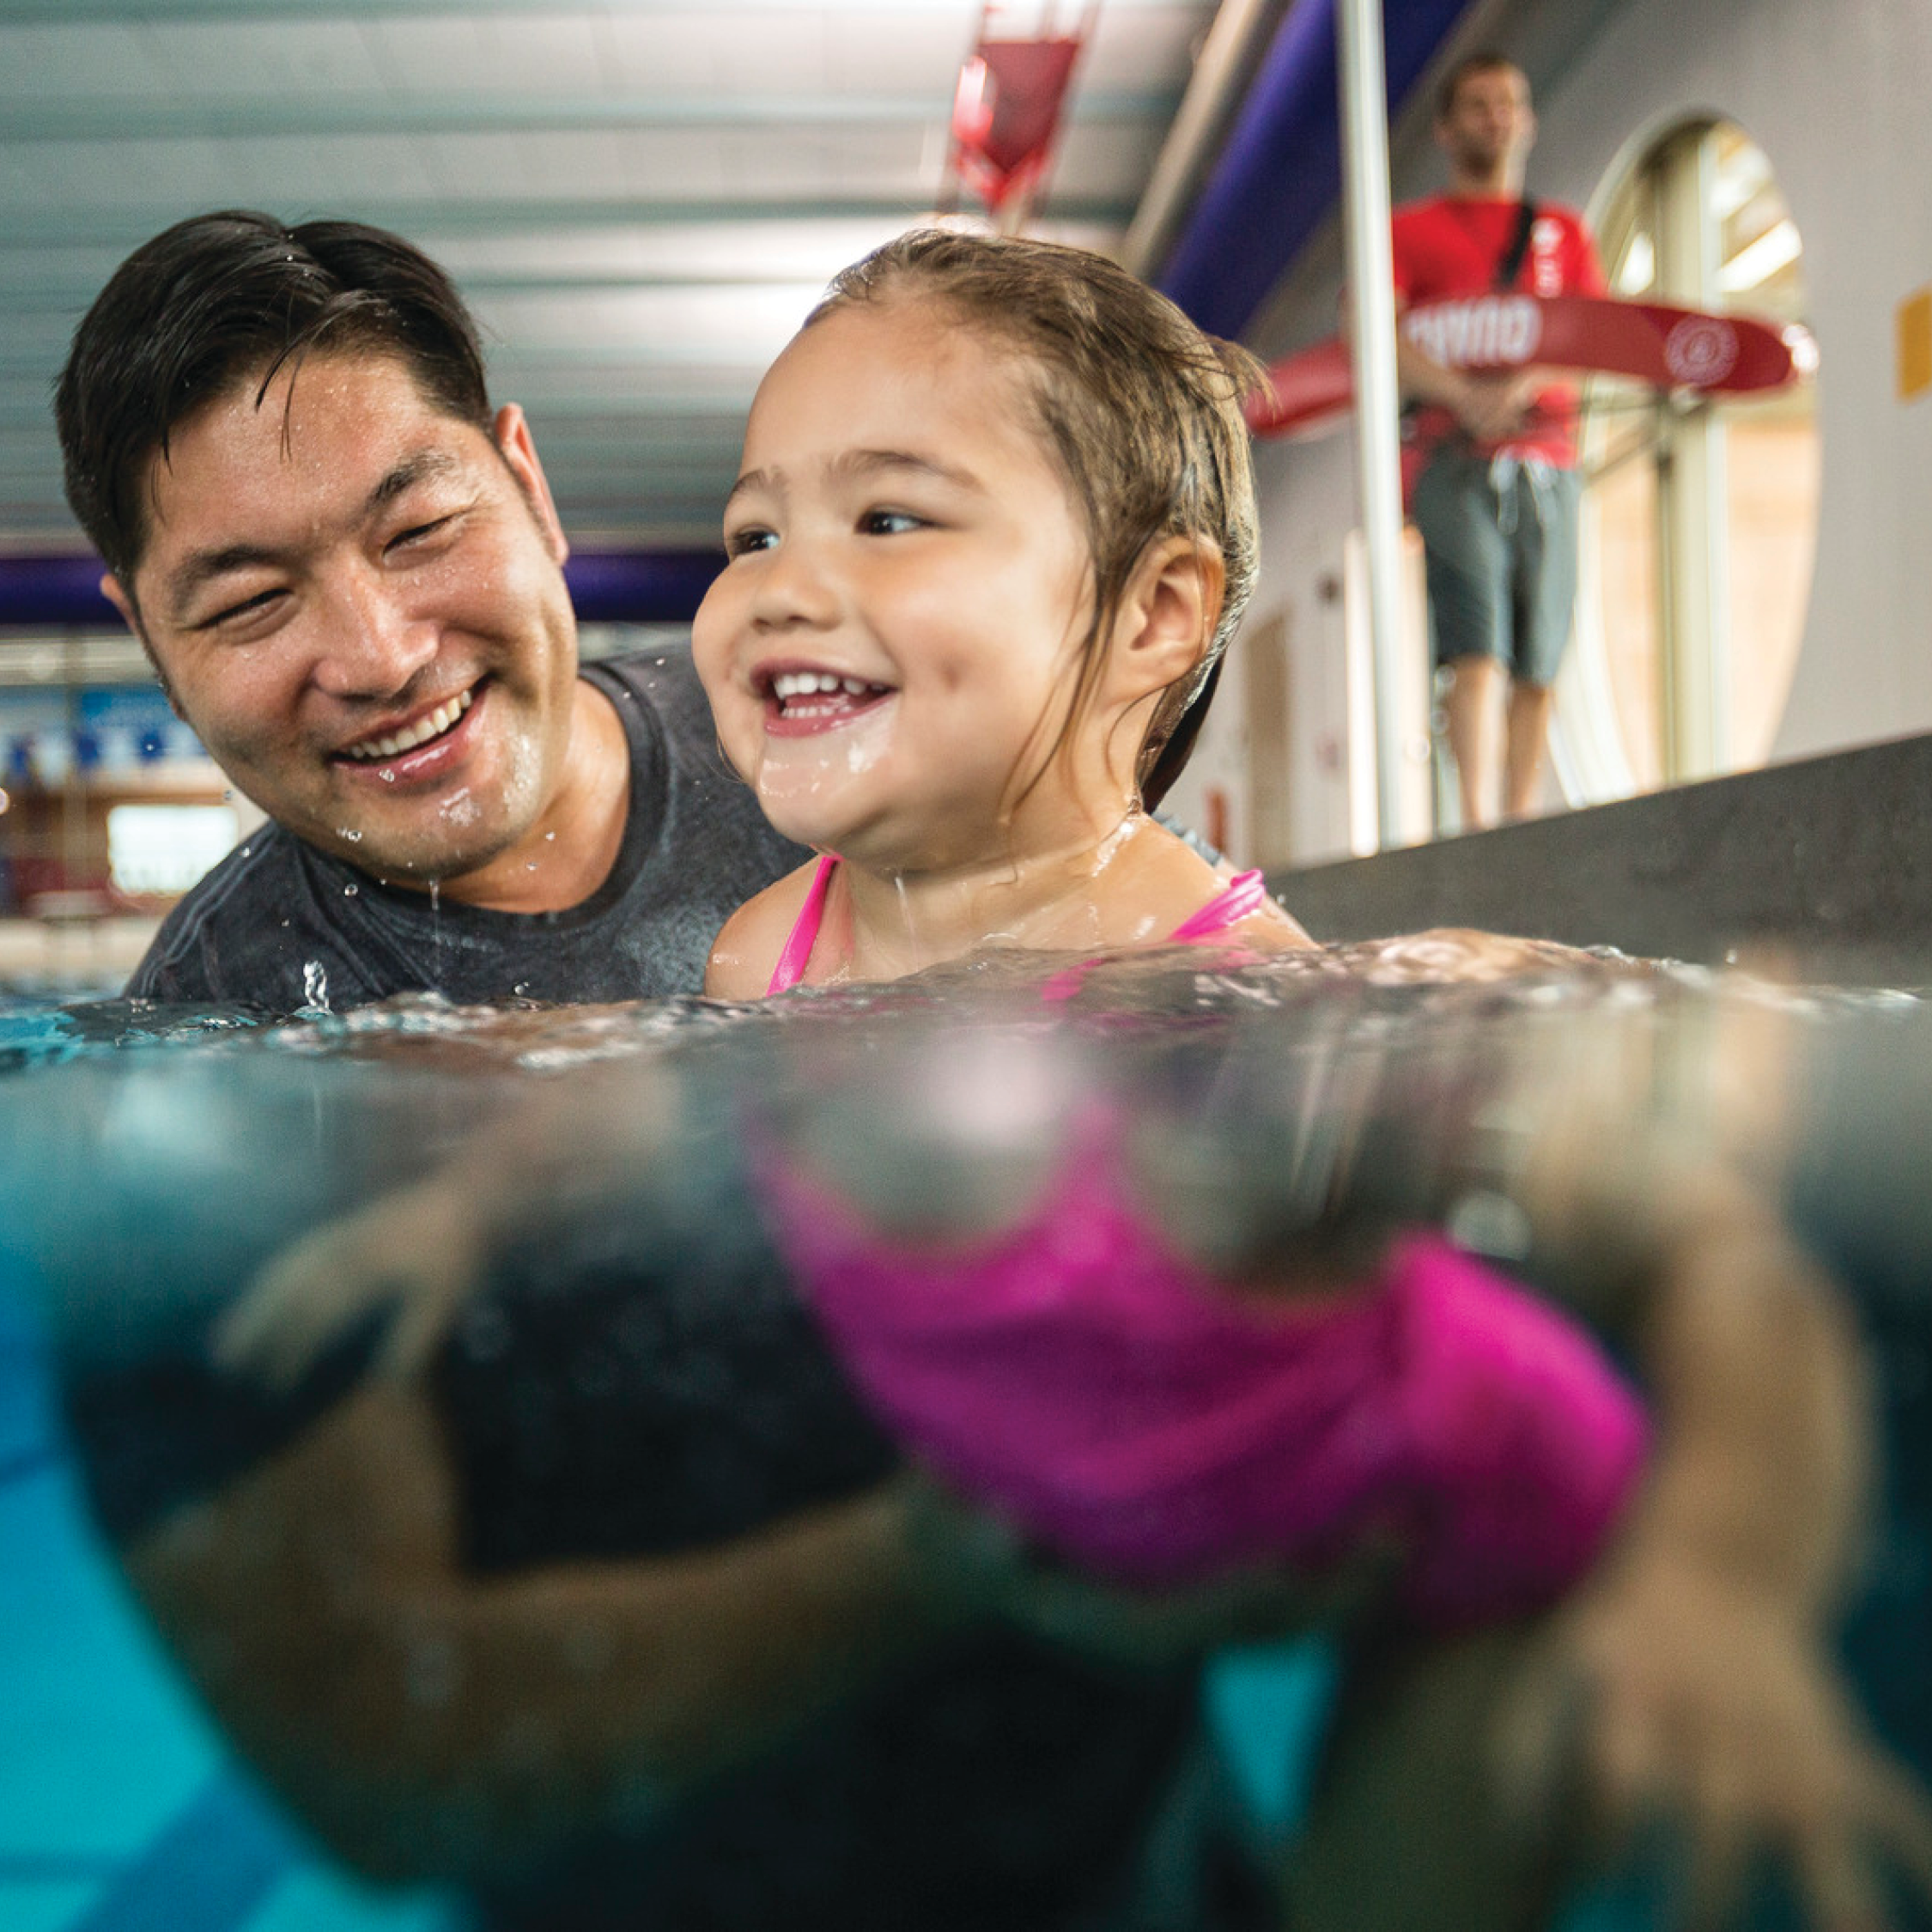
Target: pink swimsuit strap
[(803, 935), (1241, 898)]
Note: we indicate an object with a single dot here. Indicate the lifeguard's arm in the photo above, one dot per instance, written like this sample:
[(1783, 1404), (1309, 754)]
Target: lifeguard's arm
[(431, 1724), (1488, 406)]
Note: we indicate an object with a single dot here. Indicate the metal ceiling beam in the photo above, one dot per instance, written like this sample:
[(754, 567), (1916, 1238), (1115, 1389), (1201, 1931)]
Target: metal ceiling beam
[(309, 13), (25, 296), (425, 218), (688, 360), (53, 119)]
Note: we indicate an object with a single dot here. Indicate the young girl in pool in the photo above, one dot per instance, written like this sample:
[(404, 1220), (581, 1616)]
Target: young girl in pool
[(995, 525)]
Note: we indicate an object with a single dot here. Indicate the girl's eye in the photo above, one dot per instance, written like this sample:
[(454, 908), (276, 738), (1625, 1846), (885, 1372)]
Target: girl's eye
[(751, 538), (890, 523)]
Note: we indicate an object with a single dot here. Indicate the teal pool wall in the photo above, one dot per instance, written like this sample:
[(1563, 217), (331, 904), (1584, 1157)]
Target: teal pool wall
[(120, 1809)]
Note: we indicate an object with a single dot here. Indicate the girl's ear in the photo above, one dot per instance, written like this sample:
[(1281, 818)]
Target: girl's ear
[(1167, 617)]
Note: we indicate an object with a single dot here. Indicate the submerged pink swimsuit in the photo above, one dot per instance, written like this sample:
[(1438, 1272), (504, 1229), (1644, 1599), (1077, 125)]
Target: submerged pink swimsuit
[(1242, 898), (1112, 1400)]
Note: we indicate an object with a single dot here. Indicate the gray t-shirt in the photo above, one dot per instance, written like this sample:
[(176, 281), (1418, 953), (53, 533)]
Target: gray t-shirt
[(282, 925)]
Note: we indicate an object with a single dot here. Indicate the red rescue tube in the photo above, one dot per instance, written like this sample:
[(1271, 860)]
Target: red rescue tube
[(1654, 343)]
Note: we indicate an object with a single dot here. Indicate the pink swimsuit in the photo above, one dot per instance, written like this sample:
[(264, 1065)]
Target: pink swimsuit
[(1110, 1397), (1242, 898)]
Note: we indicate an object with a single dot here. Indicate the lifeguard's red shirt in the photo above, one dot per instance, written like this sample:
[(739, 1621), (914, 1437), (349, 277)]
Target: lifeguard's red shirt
[(1448, 247)]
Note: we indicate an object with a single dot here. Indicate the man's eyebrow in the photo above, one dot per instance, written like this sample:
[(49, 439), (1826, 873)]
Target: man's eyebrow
[(409, 471), (191, 573)]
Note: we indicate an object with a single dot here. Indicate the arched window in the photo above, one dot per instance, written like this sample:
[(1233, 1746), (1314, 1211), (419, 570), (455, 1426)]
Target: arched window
[(1699, 516)]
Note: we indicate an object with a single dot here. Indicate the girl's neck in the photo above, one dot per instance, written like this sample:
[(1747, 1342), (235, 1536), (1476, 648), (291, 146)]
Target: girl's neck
[(1071, 893)]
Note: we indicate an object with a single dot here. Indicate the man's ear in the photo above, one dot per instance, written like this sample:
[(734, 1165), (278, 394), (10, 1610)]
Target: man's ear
[(122, 599), (1167, 618), (518, 450), (110, 589)]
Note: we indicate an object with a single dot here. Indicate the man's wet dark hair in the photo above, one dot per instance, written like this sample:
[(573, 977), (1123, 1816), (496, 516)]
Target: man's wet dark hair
[(222, 298), (1486, 60)]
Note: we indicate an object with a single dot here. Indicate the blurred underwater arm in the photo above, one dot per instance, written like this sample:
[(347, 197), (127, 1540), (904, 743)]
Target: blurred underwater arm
[(1703, 1649), (1687, 1696), (429, 1724)]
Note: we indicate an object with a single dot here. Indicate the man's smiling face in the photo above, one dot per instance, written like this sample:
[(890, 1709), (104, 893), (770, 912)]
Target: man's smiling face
[(358, 603)]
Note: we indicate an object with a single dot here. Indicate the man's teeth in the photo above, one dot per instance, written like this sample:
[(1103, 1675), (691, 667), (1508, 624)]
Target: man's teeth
[(789, 684), (410, 735)]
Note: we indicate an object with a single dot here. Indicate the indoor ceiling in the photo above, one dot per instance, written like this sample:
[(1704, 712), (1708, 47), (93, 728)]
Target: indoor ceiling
[(641, 198)]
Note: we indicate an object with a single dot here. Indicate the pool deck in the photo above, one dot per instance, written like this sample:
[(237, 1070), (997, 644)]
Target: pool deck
[(97, 953)]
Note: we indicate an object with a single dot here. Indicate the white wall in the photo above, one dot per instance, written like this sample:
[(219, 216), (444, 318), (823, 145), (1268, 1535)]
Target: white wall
[(1836, 92)]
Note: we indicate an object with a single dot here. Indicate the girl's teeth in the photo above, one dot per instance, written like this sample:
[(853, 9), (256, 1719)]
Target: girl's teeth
[(791, 684)]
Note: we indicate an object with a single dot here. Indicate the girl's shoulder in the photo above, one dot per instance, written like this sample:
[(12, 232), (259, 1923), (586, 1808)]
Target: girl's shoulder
[(1271, 928), (1187, 894), (748, 943)]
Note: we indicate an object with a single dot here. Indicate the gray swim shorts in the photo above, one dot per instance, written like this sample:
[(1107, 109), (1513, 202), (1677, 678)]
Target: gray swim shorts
[(1500, 538)]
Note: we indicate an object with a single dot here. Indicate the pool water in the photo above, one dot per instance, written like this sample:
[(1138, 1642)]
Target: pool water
[(122, 1809)]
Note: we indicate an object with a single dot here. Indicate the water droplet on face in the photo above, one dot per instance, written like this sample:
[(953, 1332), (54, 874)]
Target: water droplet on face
[(388, 777), (549, 838)]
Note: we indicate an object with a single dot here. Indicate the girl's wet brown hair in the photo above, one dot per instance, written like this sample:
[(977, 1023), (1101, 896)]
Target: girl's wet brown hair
[(1140, 410)]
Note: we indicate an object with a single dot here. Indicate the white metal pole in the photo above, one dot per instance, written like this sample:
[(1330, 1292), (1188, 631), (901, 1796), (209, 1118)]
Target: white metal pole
[(1365, 86)]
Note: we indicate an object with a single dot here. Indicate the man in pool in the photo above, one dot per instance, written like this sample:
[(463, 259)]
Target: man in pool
[(347, 570), (809, 1695)]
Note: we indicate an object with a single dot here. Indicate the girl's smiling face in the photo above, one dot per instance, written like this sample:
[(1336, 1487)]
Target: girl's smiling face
[(892, 646)]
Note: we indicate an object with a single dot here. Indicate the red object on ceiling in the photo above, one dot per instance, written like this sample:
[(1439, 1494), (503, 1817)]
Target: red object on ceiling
[(1005, 115)]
